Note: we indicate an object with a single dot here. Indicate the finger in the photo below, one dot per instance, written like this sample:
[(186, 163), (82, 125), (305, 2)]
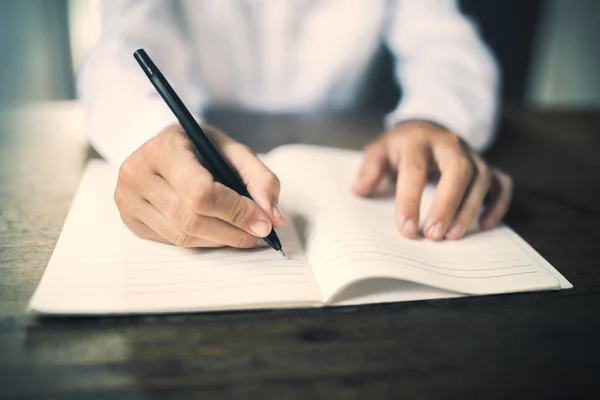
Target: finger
[(372, 169), (500, 198), (126, 197), (472, 204), (201, 194), (457, 171), (162, 196), (262, 184), (412, 178), (237, 210), (153, 225)]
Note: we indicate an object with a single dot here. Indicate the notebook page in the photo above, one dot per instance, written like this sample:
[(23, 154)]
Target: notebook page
[(349, 239), (484, 263), (100, 267)]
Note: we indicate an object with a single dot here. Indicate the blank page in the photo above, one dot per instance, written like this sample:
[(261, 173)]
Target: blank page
[(100, 267), (349, 239)]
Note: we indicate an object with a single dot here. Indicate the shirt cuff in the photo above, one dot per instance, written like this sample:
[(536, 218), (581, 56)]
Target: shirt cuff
[(450, 114), (123, 136)]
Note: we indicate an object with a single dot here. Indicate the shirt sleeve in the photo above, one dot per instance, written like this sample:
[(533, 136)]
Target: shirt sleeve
[(122, 109), (447, 74)]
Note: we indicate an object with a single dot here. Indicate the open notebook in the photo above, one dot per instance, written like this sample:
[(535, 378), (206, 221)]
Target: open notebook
[(343, 250)]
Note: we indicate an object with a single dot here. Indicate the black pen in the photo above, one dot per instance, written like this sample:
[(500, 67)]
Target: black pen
[(211, 158)]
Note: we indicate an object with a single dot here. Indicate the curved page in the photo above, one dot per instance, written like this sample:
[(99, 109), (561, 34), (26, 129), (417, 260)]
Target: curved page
[(350, 239)]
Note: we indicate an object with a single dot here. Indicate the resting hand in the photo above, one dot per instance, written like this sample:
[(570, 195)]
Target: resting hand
[(165, 194), (413, 150)]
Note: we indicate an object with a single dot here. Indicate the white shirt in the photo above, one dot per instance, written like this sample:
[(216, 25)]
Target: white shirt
[(283, 55)]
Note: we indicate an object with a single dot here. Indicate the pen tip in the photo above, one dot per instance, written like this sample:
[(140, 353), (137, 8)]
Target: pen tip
[(283, 254)]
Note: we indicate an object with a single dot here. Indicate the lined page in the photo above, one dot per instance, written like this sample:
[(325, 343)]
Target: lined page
[(349, 239), (98, 266), (483, 263)]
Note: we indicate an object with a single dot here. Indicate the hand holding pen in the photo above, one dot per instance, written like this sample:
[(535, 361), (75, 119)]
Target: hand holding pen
[(164, 193)]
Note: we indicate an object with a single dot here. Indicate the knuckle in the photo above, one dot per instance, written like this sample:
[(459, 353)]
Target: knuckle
[(471, 212), (451, 139), (186, 221), (455, 140), (447, 206), (417, 167), (127, 170), (486, 177), (152, 145), (167, 135), (244, 240), (168, 139), (485, 172), (464, 166), (417, 131), (157, 143), (238, 213), (239, 241), (182, 239), (421, 134), (203, 197), (271, 180), (242, 148)]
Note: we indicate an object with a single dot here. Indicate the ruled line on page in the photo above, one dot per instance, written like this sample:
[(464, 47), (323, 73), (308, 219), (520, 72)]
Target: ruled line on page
[(401, 250), (415, 248), (130, 283), (129, 291), (410, 263), (109, 271), (395, 255), (174, 254), (333, 254), (484, 256), (115, 279), (195, 264)]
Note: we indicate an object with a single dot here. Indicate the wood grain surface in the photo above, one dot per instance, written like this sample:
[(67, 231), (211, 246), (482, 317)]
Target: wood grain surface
[(528, 345)]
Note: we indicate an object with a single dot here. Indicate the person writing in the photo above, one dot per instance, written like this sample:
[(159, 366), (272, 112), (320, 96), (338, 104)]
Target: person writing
[(282, 56)]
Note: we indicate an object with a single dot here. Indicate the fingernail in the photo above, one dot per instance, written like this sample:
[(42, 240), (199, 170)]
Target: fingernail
[(277, 212), (262, 243), (456, 231), (410, 226), (260, 228), (435, 231)]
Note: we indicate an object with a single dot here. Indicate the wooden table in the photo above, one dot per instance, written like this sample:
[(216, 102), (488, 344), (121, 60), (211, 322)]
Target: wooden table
[(534, 345)]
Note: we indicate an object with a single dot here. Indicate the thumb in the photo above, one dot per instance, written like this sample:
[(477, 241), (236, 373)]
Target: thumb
[(372, 170), (262, 184)]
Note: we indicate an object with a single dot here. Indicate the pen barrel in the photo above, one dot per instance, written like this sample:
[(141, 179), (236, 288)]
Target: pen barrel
[(206, 151)]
